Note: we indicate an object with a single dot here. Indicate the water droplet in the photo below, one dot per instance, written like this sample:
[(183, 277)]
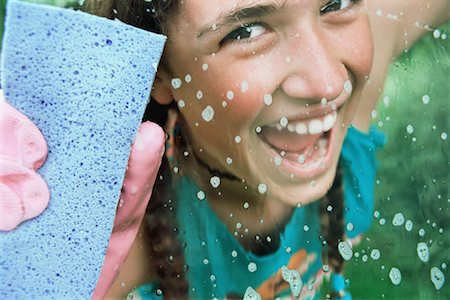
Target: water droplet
[(436, 34), (237, 139), (244, 86), (246, 205), (188, 78), (444, 136), (437, 277), (205, 261), (306, 228), (268, 99), (423, 251), (386, 101), (348, 87), (301, 159), (252, 267), (409, 129), (208, 113), (199, 95), (284, 121), (201, 195), (382, 221), (288, 250), (365, 258), (421, 232), (230, 95), (350, 227), (409, 225), (398, 219), (229, 160), (395, 275), (159, 292), (215, 181), (176, 83), (258, 129), (425, 99), (262, 188), (205, 67), (234, 253), (345, 250), (329, 208), (326, 268), (181, 103), (277, 160), (375, 254)]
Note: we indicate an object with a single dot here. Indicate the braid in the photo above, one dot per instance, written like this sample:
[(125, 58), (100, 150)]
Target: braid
[(166, 250), (332, 223)]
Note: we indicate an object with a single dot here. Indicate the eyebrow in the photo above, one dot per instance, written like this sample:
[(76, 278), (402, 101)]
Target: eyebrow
[(237, 15)]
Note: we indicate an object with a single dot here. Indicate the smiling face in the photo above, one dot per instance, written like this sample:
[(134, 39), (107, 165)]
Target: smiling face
[(268, 88)]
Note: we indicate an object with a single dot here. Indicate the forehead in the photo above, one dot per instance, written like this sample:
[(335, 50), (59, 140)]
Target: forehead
[(195, 13)]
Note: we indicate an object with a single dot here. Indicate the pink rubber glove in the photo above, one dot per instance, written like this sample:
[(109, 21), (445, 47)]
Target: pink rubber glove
[(143, 165), (23, 192)]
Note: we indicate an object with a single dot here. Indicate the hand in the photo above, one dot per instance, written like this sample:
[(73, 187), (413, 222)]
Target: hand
[(143, 165), (23, 193)]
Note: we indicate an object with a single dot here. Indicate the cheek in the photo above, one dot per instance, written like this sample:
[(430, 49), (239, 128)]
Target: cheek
[(360, 50)]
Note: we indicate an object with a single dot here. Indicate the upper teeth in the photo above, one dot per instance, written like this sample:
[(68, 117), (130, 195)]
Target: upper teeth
[(313, 126)]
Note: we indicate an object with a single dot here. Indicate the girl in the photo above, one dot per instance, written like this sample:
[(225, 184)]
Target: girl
[(256, 98)]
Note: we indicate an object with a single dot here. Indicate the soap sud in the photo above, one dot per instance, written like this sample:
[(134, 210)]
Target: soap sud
[(176, 83), (268, 99), (214, 181), (208, 113), (230, 95), (423, 251), (251, 294), (252, 267), (345, 250), (294, 279), (244, 86), (375, 254), (395, 276), (437, 277), (348, 87), (398, 219), (262, 188)]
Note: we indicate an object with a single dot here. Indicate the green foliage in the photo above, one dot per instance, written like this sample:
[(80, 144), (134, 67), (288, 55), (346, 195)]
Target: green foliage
[(413, 178)]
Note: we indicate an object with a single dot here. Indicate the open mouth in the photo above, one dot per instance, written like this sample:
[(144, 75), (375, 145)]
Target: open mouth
[(302, 147)]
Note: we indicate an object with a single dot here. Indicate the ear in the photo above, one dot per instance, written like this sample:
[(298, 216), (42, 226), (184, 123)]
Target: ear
[(161, 91)]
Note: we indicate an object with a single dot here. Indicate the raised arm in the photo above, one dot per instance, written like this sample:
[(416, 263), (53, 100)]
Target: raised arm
[(396, 26)]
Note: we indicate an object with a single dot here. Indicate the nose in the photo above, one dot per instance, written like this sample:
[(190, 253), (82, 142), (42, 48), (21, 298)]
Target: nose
[(315, 71)]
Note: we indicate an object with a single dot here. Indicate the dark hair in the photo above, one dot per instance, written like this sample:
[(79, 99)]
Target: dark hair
[(166, 250)]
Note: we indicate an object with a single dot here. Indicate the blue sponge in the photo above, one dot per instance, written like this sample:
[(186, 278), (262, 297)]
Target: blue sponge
[(85, 82)]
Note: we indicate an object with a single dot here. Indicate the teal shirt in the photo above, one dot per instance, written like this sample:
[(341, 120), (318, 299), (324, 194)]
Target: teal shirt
[(219, 267)]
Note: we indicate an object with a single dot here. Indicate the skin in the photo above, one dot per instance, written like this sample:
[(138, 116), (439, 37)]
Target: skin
[(328, 50)]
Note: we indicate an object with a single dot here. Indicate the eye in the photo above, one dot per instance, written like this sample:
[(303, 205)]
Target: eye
[(245, 32), (336, 5)]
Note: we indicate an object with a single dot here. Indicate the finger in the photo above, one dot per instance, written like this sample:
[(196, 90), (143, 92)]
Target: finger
[(143, 165), (20, 138), (10, 208), (24, 193)]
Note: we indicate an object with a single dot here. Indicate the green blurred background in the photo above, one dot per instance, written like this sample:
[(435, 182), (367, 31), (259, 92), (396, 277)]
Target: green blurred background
[(413, 175)]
